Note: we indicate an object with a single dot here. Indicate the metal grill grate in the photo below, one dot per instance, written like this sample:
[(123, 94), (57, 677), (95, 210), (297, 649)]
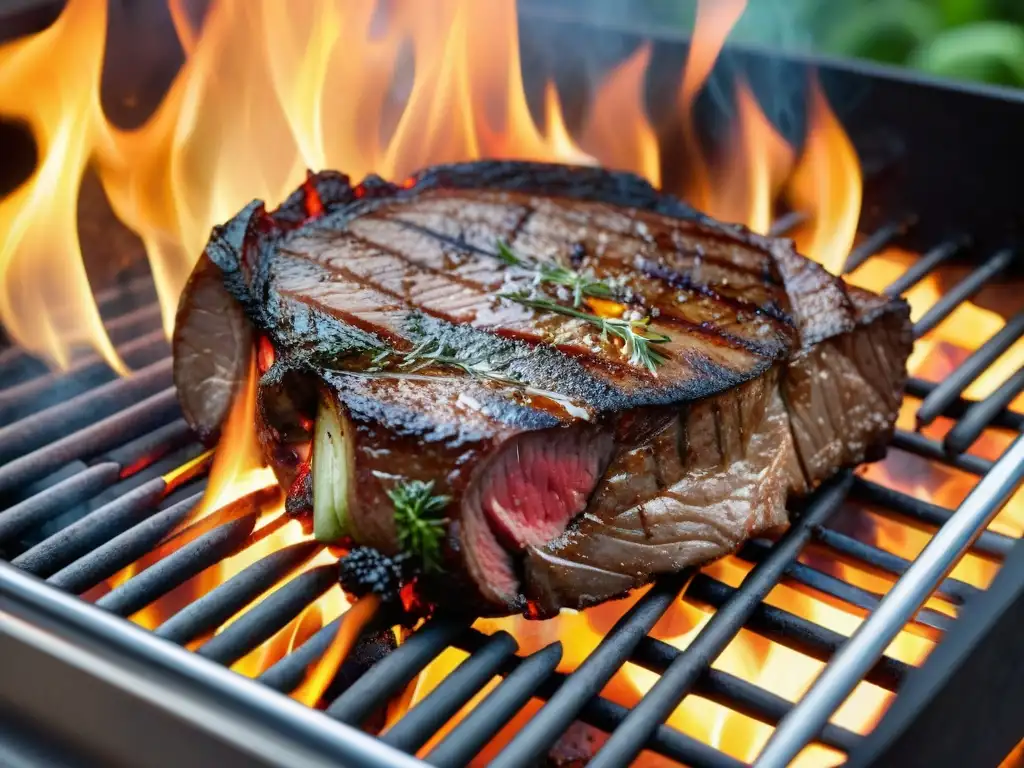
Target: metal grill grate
[(87, 488)]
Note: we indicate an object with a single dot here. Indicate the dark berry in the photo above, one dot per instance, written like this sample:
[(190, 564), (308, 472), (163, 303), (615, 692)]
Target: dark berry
[(365, 571)]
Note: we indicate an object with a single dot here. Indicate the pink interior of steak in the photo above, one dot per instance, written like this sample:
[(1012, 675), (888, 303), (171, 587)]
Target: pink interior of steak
[(526, 495), (540, 482)]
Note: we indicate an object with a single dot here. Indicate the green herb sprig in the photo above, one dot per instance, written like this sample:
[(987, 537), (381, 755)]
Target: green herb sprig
[(433, 352), (636, 334), (555, 274), (419, 520)]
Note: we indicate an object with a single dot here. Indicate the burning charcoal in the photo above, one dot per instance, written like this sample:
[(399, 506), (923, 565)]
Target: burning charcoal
[(368, 651), (576, 746), (299, 502), (365, 571)]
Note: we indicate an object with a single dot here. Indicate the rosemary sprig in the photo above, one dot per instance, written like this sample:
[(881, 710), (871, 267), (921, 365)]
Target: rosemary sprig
[(432, 352), (637, 337), (418, 520), (548, 272)]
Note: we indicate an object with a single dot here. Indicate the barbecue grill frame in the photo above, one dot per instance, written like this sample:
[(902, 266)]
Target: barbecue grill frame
[(121, 695), (52, 630)]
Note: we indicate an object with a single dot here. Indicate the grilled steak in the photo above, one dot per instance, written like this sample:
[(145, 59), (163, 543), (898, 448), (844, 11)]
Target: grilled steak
[(595, 383)]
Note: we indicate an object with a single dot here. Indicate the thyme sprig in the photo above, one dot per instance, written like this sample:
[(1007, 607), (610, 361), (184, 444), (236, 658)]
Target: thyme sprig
[(635, 333), (581, 284), (419, 520)]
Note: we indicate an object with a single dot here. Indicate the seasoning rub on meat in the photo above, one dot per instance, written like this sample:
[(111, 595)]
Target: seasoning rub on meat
[(535, 386)]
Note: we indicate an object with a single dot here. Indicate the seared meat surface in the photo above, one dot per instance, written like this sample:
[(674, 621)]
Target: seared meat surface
[(595, 383)]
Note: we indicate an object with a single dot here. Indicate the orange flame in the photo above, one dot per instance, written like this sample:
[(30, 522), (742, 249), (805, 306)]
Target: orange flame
[(617, 129), (324, 670), (715, 19), (755, 169), (744, 185), (827, 184), (46, 303)]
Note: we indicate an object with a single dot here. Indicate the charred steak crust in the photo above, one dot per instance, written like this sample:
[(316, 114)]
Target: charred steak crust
[(770, 359)]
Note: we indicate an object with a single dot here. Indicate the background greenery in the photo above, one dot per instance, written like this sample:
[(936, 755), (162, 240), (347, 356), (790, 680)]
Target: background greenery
[(979, 40), (971, 39)]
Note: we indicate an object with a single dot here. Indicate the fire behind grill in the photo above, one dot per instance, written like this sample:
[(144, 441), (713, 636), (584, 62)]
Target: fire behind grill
[(90, 481)]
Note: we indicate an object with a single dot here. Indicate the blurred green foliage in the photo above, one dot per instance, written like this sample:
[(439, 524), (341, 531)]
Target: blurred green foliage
[(970, 39)]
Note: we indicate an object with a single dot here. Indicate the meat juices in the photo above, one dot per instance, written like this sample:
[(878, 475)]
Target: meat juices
[(574, 475)]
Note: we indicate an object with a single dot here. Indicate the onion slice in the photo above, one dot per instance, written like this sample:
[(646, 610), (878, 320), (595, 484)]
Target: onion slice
[(333, 464)]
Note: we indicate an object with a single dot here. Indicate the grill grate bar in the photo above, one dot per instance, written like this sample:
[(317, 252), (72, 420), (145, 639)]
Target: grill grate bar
[(220, 604), (955, 591), (537, 736), (490, 715), (43, 427), (136, 473), (261, 623), (1005, 418), (666, 740), (870, 640), (67, 493), (178, 567), (134, 323), (607, 716), (18, 366), (417, 725), (142, 457), (787, 223), (735, 692), (388, 677), (794, 632), (876, 241), (118, 299), (925, 265), (963, 290), (888, 501), (122, 550), (83, 536), (969, 370), (678, 679), (142, 451), (287, 674), (108, 433), (925, 447), (830, 587), (91, 371), (966, 431)]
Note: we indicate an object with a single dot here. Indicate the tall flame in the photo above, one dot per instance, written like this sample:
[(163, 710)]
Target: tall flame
[(617, 129), (827, 184), (46, 303), (715, 19), (758, 165)]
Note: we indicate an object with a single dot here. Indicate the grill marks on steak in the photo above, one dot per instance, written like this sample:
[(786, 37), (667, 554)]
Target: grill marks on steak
[(451, 277), (595, 475)]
